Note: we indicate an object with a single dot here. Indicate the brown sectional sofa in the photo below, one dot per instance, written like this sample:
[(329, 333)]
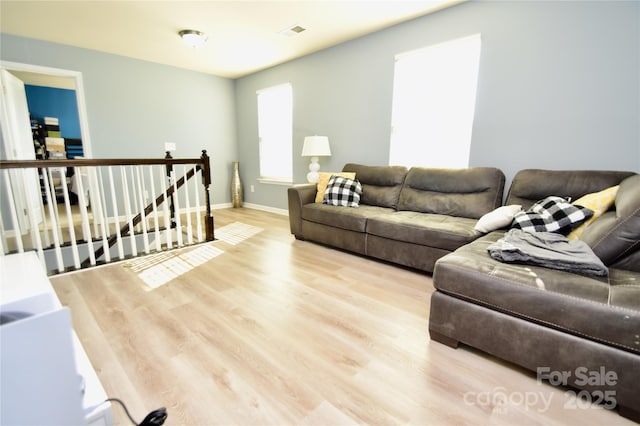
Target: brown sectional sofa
[(552, 321), (546, 320), (409, 217)]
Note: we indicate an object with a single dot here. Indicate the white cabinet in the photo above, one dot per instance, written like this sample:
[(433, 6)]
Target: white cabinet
[(46, 377)]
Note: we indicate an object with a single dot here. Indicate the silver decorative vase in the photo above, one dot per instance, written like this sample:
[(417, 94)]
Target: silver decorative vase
[(236, 186)]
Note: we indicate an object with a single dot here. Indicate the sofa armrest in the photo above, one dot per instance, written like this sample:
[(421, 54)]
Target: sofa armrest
[(297, 197)]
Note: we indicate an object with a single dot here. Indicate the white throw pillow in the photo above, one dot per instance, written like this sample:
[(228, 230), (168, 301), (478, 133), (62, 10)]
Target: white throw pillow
[(498, 218)]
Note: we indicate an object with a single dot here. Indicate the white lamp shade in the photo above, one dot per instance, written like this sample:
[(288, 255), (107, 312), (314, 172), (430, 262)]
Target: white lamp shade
[(316, 146)]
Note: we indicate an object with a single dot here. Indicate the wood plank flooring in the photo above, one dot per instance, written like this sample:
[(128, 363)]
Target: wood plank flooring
[(275, 331)]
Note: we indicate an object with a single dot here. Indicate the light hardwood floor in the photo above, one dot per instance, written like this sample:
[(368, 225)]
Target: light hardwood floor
[(275, 331)]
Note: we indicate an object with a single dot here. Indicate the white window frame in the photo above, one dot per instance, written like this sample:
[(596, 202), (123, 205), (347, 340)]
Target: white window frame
[(275, 134), (434, 96)]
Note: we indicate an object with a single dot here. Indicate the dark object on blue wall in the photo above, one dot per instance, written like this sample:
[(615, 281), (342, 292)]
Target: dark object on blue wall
[(73, 147)]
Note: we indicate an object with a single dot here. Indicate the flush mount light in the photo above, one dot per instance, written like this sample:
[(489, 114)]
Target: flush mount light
[(193, 38)]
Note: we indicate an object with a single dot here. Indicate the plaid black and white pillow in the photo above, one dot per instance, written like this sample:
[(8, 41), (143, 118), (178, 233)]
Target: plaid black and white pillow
[(342, 191), (553, 214)]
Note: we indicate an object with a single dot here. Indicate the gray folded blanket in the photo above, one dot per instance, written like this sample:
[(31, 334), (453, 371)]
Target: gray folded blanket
[(548, 249)]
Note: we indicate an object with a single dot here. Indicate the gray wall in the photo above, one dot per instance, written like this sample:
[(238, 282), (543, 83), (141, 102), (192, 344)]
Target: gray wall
[(134, 106), (559, 88)]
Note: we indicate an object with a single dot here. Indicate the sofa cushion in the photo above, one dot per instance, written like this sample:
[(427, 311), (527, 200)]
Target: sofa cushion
[(553, 214), (433, 230), (531, 185), (342, 191), (558, 299), (498, 218), (323, 181), (380, 184), (467, 193), (342, 217), (616, 234)]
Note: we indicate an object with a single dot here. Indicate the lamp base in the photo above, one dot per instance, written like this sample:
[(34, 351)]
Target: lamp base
[(314, 166)]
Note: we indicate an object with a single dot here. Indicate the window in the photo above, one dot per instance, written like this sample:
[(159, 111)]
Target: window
[(434, 95), (275, 110)]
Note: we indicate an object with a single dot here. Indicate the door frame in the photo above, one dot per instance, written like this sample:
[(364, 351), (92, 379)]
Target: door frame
[(80, 98)]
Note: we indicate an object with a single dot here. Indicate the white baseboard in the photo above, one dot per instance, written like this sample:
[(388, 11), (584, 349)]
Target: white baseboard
[(252, 206), (266, 209), (221, 206)]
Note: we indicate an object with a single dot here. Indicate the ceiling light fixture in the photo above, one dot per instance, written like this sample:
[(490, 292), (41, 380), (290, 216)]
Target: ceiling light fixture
[(193, 38)]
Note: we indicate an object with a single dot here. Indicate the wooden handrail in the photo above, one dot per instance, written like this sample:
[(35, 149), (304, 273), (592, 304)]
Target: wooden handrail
[(26, 164)]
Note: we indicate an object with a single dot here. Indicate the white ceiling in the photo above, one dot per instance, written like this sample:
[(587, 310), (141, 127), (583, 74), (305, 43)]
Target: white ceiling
[(243, 35)]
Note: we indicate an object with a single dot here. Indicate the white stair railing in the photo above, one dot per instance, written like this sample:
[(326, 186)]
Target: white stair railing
[(107, 210)]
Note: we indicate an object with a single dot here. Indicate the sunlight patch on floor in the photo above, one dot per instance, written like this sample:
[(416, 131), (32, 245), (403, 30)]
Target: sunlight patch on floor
[(236, 232), (141, 263), (158, 269)]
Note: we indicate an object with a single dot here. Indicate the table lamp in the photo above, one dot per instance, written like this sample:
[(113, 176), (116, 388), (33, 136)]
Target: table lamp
[(314, 147)]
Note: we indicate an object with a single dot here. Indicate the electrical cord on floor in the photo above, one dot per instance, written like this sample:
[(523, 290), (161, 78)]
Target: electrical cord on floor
[(154, 418)]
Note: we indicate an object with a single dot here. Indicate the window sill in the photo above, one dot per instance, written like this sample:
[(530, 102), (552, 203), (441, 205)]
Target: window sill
[(273, 181)]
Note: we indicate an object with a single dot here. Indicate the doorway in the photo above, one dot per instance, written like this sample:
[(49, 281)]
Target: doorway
[(17, 141), (56, 78)]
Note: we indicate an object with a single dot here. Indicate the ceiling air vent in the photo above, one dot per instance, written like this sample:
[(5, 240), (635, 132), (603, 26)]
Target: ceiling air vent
[(291, 31)]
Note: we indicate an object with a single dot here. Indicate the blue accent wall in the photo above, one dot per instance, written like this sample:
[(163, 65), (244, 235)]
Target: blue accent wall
[(53, 102)]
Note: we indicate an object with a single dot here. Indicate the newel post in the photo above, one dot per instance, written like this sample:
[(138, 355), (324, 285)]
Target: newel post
[(206, 182)]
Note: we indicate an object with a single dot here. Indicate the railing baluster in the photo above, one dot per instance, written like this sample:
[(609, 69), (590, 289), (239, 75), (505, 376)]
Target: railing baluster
[(134, 197), (33, 208), (127, 210), (187, 207), (114, 203), (176, 199), (156, 221), (145, 193), (91, 193), (145, 199), (54, 201), (103, 212), (12, 209), (45, 227), (72, 231), (53, 214), (86, 228), (167, 213), (196, 191), (143, 221), (96, 197)]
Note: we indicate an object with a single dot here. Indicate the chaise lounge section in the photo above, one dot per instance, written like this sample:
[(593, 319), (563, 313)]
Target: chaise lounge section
[(548, 320)]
